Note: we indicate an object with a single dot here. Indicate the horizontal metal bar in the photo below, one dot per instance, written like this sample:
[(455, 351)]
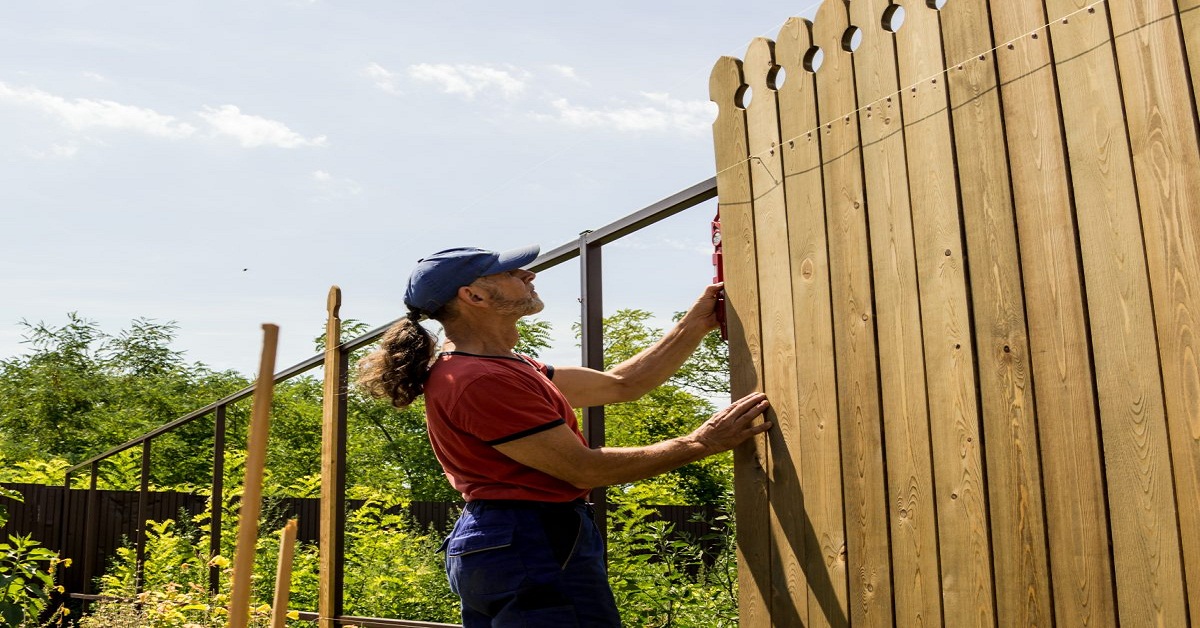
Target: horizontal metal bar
[(281, 376), (667, 207)]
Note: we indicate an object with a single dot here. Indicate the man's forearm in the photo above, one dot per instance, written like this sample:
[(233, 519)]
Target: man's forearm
[(658, 362), (621, 465)]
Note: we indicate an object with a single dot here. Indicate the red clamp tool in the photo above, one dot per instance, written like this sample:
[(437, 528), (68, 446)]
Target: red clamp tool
[(719, 269)]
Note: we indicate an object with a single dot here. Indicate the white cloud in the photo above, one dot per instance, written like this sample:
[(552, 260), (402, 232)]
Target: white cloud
[(330, 187), (85, 113), (566, 71), (384, 78), (59, 151), (660, 112), (94, 76), (254, 131), (471, 80)]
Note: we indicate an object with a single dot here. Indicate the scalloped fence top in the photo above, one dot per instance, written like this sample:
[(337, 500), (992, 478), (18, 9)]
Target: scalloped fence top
[(962, 258)]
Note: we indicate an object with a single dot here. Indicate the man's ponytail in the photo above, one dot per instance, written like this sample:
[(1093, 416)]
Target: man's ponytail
[(398, 368)]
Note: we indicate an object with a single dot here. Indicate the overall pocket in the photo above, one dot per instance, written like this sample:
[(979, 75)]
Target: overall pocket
[(563, 527), (482, 561)]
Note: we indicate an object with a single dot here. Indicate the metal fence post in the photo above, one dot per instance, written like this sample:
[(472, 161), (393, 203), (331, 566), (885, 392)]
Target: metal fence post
[(217, 501), (89, 538), (592, 340), (143, 506)]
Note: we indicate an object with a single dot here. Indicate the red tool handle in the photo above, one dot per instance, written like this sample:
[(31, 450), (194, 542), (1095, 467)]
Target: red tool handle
[(719, 269)]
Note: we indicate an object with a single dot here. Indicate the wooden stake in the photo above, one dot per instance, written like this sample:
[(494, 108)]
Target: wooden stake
[(333, 451), (256, 456), (283, 575)]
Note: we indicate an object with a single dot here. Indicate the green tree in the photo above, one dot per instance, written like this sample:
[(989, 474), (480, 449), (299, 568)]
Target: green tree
[(80, 391)]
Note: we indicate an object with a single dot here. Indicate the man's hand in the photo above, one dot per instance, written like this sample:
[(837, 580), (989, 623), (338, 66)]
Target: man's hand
[(704, 310), (733, 424)]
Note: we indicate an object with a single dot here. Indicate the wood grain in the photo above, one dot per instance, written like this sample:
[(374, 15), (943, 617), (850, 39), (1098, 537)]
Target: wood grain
[(1073, 483), (1144, 529), (256, 459), (751, 459), (911, 508), (283, 575), (814, 442), (799, 562), (1166, 159), (812, 545), (1019, 553), (332, 447), (963, 527), (853, 309)]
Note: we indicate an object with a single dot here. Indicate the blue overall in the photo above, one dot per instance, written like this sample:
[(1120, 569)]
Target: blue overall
[(529, 564)]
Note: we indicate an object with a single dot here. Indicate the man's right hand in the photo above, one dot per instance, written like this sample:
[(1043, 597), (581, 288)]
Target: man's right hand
[(733, 424)]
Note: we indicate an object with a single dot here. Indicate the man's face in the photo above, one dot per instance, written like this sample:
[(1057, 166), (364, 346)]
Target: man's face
[(512, 292)]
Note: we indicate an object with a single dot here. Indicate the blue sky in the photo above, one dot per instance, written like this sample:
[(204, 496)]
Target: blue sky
[(220, 164)]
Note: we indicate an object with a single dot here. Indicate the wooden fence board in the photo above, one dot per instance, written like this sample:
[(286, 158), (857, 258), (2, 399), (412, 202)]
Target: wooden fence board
[(963, 527), (1166, 159), (1081, 572), (802, 540), (1019, 555), (1145, 536), (911, 508), (751, 459), (863, 476), (850, 274)]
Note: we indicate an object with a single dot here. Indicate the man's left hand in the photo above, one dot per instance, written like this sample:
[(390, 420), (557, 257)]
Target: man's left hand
[(704, 310)]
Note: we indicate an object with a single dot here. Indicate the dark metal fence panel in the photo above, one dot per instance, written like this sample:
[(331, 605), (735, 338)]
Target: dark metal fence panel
[(56, 517)]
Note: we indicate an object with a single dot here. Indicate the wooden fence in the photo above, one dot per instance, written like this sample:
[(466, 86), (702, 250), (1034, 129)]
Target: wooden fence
[(962, 257)]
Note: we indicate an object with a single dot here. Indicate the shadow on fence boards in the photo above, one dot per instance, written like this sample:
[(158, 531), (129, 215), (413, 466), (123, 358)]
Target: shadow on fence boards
[(962, 258), (54, 516)]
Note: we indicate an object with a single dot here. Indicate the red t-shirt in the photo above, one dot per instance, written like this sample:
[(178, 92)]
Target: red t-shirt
[(473, 403)]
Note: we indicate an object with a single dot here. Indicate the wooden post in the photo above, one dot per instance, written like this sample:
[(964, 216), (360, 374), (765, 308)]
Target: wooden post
[(333, 468), (283, 575), (256, 455)]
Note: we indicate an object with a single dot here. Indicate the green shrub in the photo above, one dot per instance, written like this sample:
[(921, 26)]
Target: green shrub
[(661, 581), (26, 582), (172, 607), (393, 568)]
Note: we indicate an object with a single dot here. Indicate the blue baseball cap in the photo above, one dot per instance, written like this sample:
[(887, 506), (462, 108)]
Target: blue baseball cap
[(437, 278)]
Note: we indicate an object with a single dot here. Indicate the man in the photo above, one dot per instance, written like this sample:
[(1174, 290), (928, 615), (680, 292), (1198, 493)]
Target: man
[(525, 551)]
